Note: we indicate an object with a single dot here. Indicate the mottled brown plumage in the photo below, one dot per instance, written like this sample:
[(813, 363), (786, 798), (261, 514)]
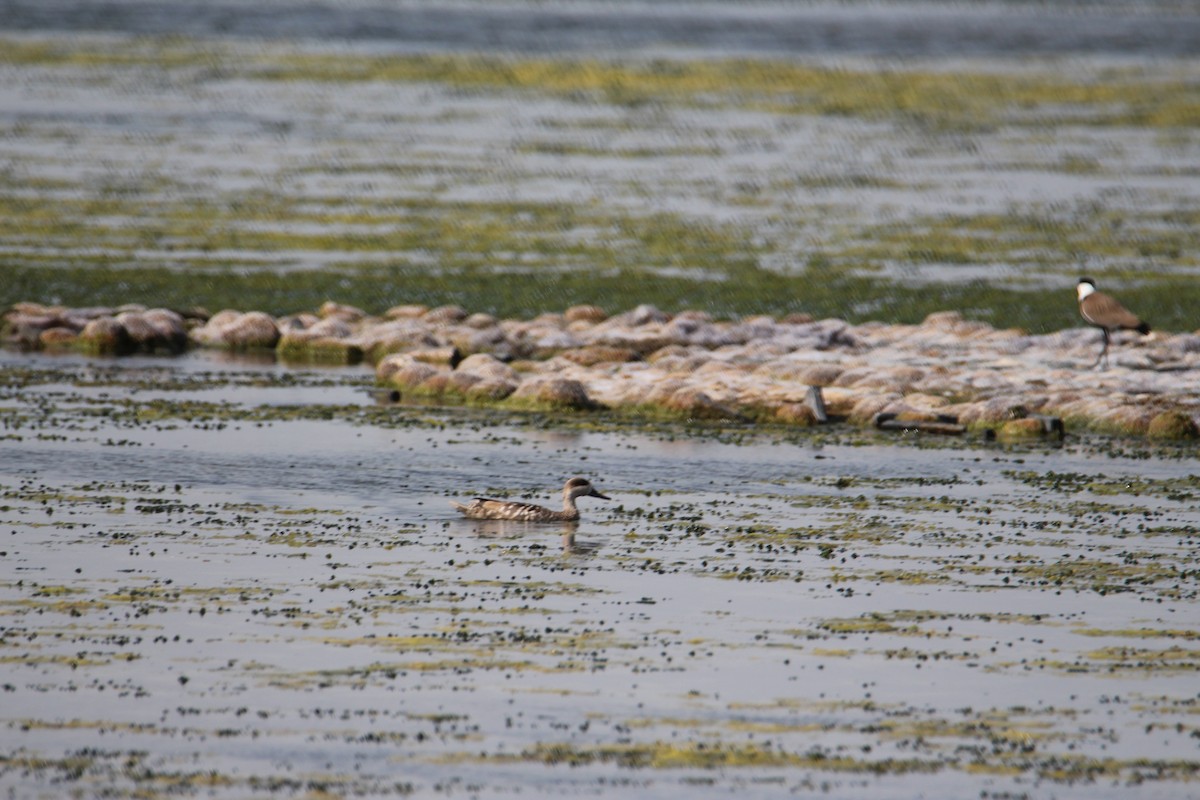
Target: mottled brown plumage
[(1105, 313), (489, 508)]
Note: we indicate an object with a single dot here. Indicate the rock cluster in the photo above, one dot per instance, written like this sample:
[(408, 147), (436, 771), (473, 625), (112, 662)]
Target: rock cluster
[(117, 331), (691, 366)]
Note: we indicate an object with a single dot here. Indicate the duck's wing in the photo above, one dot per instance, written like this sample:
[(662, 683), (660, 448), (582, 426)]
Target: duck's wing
[(490, 508), (473, 508)]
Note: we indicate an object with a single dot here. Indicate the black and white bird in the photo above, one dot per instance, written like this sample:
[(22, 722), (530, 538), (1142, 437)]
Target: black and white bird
[(1105, 313)]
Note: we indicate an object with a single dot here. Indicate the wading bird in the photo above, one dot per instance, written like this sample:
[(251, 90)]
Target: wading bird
[(1105, 313)]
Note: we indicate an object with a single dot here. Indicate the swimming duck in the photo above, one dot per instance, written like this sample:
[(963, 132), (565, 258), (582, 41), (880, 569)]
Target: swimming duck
[(487, 508)]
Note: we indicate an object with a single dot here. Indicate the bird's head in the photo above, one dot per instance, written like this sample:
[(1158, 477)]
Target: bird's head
[(582, 487)]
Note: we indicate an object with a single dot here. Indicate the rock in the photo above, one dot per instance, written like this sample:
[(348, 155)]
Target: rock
[(328, 328), (599, 354), (1000, 409), (157, 329), (462, 382), (868, 406), (481, 321), (390, 364), (588, 314), (142, 335), (403, 372), (488, 367), (324, 350), (234, 330), (348, 314), (557, 393), (796, 318), (444, 315), (481, 340), (1027, 428), (693, 403), (488, 390), (943, 320), (1129, 420), (898, 380), (839, 403), (693, 366), (26, 325), (105, 335), (26, 308), (435, 385), (395, 336), (58, 337), (297, 322), (821, 375), (901, 411), (799, 414), (448, 356), (670, 351), (644, 315), (1173, 425), (922, 400), (406, 312), (551, 343), (326, 341)]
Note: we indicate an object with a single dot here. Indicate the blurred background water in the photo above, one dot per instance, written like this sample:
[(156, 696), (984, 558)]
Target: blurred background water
[(876, 29)]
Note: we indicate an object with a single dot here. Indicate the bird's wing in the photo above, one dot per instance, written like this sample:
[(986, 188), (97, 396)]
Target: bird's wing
[(490, 508), (1102, 310)]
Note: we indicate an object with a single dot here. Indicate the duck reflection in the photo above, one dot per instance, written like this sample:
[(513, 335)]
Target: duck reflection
[(503, 528)]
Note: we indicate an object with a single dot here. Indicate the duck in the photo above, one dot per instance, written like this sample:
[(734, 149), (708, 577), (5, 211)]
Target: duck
[(1105, 313), (489, 508)]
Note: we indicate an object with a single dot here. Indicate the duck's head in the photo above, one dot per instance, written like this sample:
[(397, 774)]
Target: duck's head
[(582, 487)]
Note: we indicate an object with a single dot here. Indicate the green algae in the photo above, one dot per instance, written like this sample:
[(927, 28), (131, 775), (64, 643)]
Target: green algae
[(1182, 489), (668, 755), (661, 755), (1139, 633), (135, 773), (1145, 660), (629, 279), (870, 624), (318, 351), (253, 248), (939, 99)]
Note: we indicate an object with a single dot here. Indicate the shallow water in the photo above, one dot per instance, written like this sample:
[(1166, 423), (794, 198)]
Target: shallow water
[(885, 29), (230, 578), (222, 577)]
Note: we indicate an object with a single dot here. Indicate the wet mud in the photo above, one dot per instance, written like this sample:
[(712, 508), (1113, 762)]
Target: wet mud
[(227, 578)]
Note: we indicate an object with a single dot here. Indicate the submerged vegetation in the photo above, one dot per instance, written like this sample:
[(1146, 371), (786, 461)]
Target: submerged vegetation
[(374, 225), (524, 295), (940, 98), (205, 559), (516, 260)]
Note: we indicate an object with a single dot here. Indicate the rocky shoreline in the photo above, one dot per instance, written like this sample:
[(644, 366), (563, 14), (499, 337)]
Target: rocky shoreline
[(688, 365)]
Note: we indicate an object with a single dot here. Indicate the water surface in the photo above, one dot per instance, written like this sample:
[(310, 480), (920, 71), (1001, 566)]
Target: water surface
[(240, 579)]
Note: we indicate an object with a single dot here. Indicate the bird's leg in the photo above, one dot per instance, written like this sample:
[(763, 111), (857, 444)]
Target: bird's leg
[(1103, 351)]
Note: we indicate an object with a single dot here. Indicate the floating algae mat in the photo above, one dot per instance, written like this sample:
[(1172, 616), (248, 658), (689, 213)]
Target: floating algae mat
[(222, 578), (275, 175)]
